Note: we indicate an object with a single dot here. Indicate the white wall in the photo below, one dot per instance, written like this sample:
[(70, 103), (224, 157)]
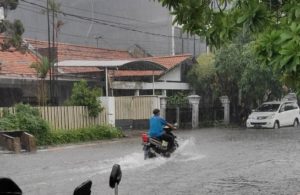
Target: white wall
[(172, 75)]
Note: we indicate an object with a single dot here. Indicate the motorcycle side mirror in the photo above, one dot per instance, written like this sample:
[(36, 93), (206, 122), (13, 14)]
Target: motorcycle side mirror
[(8, 186), (84, 188), (115, 176)]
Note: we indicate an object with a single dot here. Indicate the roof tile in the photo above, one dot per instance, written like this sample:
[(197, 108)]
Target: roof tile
[(14, 62)]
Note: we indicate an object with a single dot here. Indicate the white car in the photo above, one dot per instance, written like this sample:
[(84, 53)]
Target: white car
[(275, 115)]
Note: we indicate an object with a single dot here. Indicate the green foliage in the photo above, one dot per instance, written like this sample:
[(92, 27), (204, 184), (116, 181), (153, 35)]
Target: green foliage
[(81, 135), (9, 4), (279, 50), (13, 31), (178, 99), (41, 67), (83, 95), (202, 76), (273, 24), (229, 64), (258, 82), (25, 118)]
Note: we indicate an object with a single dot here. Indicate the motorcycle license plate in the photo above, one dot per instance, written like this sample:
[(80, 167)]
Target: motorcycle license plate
[(164, 143)]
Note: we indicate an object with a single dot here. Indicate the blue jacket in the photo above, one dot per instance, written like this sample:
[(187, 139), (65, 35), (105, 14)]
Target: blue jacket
[(156, 126)]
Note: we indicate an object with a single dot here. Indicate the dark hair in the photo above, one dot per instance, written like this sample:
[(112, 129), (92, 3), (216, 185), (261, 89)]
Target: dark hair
[(156, 111)]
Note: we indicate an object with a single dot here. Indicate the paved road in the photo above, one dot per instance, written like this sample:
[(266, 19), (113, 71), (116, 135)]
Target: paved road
[(209, 161)]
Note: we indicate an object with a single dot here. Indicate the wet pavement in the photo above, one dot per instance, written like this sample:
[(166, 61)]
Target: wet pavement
[(209, 161)]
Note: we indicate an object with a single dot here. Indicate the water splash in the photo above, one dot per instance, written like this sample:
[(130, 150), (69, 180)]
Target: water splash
[(187, 151)]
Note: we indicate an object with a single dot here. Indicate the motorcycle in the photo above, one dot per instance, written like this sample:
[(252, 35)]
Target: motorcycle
[(154, 147)]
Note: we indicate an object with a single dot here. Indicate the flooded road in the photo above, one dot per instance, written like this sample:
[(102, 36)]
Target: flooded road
[(208, 161)]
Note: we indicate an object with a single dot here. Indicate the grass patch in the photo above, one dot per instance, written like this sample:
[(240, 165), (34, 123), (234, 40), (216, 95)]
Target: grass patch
[(98, 132)]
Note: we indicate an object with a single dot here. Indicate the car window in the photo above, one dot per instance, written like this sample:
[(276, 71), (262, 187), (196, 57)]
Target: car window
[(288, 107), (268, 108), (282, 108), (295, 106)]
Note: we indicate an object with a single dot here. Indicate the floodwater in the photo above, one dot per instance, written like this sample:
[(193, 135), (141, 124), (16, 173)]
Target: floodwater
[(208, 161)]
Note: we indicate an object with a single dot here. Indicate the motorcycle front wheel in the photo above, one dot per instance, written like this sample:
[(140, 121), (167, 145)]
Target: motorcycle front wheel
[(146, 150)]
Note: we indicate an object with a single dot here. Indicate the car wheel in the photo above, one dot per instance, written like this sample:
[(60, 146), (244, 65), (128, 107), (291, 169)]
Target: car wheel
[(276, 125), (296, 123)]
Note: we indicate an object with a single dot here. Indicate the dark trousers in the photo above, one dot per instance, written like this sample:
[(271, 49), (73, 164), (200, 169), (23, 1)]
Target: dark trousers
[(169, 138)]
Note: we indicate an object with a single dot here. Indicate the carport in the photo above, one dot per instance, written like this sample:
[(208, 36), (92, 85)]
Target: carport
[(138, 65)]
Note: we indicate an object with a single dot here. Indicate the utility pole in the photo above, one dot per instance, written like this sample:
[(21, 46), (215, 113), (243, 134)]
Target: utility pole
[(182, 43), (49, 52), (97, 39), (194, 45), (53, 56)]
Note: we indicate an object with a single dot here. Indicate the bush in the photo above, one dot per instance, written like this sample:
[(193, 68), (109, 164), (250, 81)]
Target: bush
[(81, 135), (28, 119), (83, 95), (25, 118)]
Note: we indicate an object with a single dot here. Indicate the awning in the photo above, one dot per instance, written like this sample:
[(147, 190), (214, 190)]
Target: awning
[(113, 64)]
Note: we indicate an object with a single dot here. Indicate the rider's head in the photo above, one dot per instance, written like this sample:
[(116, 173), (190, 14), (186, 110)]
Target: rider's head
[(156, 112)]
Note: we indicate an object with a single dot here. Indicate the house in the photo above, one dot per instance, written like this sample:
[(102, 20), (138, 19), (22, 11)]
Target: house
[(172, 78), (19, 82)]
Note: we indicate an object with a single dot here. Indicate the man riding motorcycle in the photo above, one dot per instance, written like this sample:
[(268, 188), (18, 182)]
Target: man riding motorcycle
[(156, 129)]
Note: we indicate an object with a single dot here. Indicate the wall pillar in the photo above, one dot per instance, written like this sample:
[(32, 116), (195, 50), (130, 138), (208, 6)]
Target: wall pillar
[(109, 104), (226, 105), (163, 106), (194, 101), (137, 92)]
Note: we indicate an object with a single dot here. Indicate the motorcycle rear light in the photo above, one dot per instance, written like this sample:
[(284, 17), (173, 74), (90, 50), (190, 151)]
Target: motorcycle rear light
[(145, 137)]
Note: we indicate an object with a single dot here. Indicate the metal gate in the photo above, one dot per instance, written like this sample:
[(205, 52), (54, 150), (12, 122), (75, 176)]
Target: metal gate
[(209, 116), (183, 112), (133, 112)]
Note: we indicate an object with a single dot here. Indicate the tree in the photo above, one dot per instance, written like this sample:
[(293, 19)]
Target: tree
[(42, 67), (273, 25), (13, 30), (258, 82), (83, 95), (234, 71), (202, 76)]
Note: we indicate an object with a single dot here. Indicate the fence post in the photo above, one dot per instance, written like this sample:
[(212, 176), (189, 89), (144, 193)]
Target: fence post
[(109, 104), (194, 101), (226, 104), (163, 106)]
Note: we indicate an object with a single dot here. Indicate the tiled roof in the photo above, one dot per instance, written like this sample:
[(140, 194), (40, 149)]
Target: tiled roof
[(79, 52), (76, 70), (167, 61), (17, 64)]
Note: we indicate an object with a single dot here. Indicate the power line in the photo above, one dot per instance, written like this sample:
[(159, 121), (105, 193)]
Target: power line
[(111, 44), (105, 14), (92, 38), (45, 8), (96, 20)]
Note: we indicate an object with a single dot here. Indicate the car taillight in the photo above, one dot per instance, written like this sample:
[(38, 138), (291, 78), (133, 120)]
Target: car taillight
[(145, 137)]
